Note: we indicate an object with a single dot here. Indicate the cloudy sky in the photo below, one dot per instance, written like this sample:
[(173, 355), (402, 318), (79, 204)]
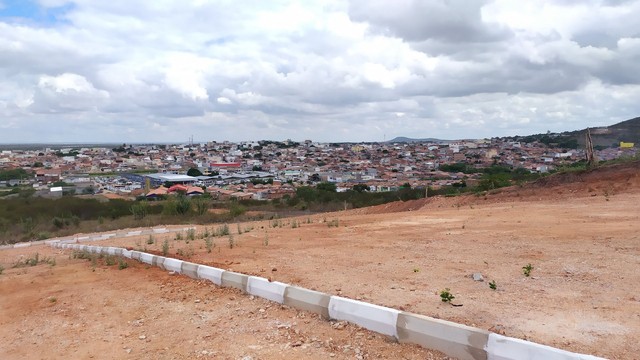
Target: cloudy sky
[(327, 70)]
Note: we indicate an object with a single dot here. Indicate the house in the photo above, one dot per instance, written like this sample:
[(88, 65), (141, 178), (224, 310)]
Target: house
[(46, 176)]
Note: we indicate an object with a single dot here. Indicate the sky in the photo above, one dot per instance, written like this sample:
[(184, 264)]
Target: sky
[(329, 70)]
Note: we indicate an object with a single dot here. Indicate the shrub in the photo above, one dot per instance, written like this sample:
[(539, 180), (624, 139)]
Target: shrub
[(201, 205), (122, 264), (208, 244), (446, 295), (526, 270), (236, 210), (191, 234), (140, 210), (109, 260), (165, 247)]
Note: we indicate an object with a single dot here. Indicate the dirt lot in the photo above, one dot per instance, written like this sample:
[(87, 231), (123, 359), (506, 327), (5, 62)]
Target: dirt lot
[(582, 240)]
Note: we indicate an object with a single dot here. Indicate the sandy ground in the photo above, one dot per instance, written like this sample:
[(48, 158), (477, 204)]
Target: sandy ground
[(583, 295)]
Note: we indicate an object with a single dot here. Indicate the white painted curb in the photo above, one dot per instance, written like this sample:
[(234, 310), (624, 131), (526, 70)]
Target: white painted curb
[(266, 289), (210, 273), (373, 317), (501, 347)]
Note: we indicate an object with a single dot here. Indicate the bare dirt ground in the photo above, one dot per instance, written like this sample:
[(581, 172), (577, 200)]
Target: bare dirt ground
[(581, 235)]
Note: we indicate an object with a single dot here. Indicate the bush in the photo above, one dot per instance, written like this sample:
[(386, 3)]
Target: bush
[(236, 210), (140, 210)]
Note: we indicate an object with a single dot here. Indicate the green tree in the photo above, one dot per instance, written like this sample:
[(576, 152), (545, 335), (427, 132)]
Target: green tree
[(326, 186), (194, 172), (361, 187), (494, 181)]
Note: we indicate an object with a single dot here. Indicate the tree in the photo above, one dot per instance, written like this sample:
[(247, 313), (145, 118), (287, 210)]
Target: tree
[(361, 187), (327, 186), (194, 172)]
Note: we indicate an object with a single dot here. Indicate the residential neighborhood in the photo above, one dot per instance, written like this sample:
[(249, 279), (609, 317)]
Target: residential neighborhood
[(264, 170)]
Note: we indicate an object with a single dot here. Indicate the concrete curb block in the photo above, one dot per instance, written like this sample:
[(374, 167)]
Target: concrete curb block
[(235, 280), (266, 289), (189, 269), (159, 261), (307, 300), (174, 265), (147, 258), (455, 340), (210, 273), (376, 318), (460, 341), (501, 347)]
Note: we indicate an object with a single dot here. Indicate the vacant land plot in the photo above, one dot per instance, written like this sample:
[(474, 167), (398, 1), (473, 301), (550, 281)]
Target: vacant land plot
[(582, 242)]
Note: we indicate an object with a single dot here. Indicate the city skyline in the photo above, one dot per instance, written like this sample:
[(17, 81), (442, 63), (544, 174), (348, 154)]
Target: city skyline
[(78, 71)]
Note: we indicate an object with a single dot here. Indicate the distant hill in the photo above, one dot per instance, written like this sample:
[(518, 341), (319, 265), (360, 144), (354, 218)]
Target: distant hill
[(627, 131), (603, 137), (402, 139)]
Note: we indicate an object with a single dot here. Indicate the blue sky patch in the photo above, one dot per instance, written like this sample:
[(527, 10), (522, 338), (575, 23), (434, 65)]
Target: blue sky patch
[(32, 12)]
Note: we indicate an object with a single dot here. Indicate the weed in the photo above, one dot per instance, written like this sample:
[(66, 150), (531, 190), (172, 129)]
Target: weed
[(186, 253), (208, 244), (334, 222), (265, 242), (122, 264), (231, 242), (294, 224), (493, 285), (34, 260), (191, 234), (222, 230), (179, 235), (526, 270), (109, 260), (206, 233), (415, 270), (151, 240), (1, 269), (239, 229), (446, 295), (52, 299), (165, 247)]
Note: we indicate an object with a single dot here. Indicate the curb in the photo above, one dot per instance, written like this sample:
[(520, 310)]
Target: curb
[(456, 340)]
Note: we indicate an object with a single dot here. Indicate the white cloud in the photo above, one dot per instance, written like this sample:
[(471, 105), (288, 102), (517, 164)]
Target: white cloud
[(327, 70)]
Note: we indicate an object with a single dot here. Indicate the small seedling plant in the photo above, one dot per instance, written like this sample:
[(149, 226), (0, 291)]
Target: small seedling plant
[(493, 285), (526, 270), (446, 295)]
